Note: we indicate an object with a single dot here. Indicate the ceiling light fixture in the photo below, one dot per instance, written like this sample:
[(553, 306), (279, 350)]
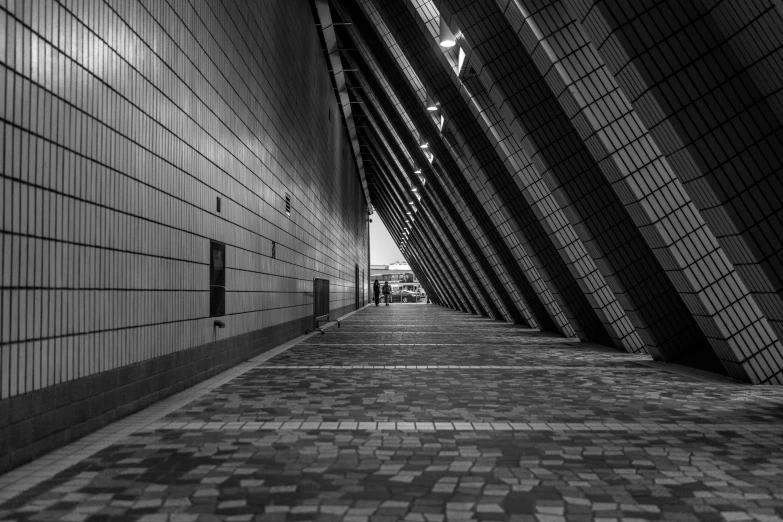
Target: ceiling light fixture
[(430, 104), (447, 38)]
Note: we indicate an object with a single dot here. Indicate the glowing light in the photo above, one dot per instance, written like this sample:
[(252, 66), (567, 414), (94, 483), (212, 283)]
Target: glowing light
[(431, 104), (447, 38)]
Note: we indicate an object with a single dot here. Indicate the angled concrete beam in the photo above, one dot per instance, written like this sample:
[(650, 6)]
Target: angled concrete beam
[(326, 27)]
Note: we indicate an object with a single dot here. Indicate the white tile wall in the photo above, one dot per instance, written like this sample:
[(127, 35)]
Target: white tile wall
[(123, 121)]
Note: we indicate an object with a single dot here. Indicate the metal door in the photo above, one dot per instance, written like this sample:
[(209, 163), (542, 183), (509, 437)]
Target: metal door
[(356, 286), (320, 298)]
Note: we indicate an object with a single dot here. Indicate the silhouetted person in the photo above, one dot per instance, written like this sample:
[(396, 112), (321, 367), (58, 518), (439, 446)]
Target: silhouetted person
[(386, 292), (376, 289)]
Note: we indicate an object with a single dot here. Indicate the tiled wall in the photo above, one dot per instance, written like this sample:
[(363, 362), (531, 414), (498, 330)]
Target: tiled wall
[(705, 82), (615, 234), (616, 164), (123, 123)]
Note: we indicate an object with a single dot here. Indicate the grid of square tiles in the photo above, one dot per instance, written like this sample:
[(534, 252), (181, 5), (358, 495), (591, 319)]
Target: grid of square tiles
[(720, 133), (514, 218), (557, 159), (469, 138), (568, 64), (122, 123), (719, 71)]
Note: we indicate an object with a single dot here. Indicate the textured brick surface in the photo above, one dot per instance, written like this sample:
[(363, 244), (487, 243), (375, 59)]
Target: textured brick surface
[(418, 413)]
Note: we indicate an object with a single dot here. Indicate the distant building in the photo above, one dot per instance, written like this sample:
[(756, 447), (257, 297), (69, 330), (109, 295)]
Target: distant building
[(399, 265), (395, 272)]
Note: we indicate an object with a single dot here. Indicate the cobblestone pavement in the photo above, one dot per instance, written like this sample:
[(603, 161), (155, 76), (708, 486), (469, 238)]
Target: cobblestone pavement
[(415, 412)]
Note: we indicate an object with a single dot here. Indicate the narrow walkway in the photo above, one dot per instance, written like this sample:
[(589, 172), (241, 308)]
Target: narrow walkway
[(416, 412)]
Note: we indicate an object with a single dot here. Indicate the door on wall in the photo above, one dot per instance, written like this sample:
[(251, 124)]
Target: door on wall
[(364, 288), (321, 299), (356, 286), (217, 279)]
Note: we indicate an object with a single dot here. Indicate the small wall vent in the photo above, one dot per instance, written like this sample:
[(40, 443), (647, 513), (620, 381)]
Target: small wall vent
[(288, 205)]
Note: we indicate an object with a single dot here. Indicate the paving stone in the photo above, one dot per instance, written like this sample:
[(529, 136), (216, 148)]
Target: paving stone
[(477, 420)]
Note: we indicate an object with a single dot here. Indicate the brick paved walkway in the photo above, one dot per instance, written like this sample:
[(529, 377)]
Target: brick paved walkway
[(415, 412)]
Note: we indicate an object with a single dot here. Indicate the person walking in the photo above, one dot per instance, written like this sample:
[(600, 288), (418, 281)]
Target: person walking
[(386, 292), (376, 289)]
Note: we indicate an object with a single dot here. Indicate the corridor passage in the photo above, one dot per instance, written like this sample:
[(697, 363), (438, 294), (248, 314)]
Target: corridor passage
[(417, 412)]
